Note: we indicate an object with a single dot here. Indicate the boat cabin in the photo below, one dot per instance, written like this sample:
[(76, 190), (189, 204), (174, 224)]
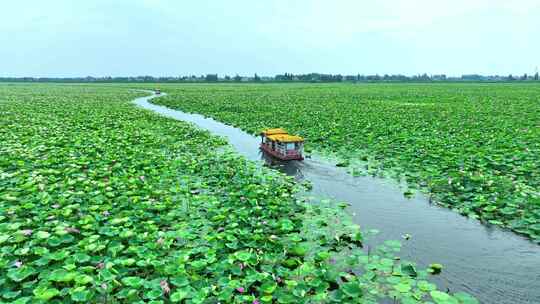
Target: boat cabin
[(157, 91), (282, 145)]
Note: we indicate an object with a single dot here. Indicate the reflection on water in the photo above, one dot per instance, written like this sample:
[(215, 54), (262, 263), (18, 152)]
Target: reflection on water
[(494, 265), (291, 168)]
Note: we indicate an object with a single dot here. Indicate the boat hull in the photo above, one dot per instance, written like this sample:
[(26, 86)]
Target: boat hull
[(278, 155)]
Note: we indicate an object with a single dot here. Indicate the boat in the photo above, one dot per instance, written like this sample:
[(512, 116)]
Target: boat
[(157, 91), (280, 144)]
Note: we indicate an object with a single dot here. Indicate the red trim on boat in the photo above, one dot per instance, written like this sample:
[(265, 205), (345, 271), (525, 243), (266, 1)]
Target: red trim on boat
[(289, 156)]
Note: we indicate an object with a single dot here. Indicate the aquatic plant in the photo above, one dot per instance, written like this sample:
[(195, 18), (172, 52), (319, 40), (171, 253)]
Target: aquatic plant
[(103, 202), (474, 148)]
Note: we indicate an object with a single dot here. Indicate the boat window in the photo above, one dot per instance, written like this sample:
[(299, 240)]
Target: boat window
[(291, 146)]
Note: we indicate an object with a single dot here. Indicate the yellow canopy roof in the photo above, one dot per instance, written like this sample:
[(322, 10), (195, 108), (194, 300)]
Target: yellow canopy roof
[(285, 138), (274, 131)]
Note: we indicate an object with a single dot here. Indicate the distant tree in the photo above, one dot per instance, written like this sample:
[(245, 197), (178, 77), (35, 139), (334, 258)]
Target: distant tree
[(211, 77), (287, 77), (472, 77), (373, 77), (440, 77), (326, 77), (425, 77)]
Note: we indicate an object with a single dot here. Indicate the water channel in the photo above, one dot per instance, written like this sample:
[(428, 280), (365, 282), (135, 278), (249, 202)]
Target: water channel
[(494, 265)]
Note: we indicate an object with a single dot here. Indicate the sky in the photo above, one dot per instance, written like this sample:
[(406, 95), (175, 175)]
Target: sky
[(61, 38)]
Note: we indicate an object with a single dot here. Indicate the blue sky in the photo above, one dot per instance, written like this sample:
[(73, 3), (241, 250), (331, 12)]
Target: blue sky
[(161, 37)]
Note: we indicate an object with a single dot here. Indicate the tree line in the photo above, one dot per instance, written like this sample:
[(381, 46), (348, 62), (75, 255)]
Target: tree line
[(286, 77)]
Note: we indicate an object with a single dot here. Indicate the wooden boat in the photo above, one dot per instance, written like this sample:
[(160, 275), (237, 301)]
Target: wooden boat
[(280, 144)]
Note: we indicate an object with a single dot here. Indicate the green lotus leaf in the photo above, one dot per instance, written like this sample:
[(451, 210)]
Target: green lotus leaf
[(21, 273), (153, 294), (45, 293), (442, 297), (81, 257), (4, 237), (268, 287), (62, 275), (426, 286), (403, 287), (22, 300), (243, 256), (43, 235), (179, 295), (351, 289), (80, 294), (409, 269), (11, 294), (133, 281), (83, 279)]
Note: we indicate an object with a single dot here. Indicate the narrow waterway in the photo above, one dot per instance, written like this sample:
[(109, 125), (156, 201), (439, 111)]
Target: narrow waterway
[(494, 265)]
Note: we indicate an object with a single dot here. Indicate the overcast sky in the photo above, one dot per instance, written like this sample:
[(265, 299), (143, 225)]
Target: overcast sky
[(179, 37)]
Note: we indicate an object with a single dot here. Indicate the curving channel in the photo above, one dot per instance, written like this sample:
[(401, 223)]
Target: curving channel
[(494, 265)]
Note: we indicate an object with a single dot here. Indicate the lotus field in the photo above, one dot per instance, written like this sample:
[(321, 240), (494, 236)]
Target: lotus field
[(102, 202), (474, 148)]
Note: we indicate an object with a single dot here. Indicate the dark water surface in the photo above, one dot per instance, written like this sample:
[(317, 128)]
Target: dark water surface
[(494, 265)]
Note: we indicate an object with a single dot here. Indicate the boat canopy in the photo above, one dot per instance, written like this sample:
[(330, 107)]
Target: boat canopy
[(286, 138), (275, 131)]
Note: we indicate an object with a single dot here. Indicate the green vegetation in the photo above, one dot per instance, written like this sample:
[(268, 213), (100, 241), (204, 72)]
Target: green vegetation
[(104, 202), (474, 147)]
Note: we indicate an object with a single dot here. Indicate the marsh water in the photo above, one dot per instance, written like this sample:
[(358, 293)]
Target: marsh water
[(493, 264)]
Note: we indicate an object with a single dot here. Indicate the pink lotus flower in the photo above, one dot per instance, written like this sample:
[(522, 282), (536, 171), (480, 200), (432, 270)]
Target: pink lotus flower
[(256, 301), (18, 264), (165, 286), (72, 230), (26, 232), (240, 289)]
